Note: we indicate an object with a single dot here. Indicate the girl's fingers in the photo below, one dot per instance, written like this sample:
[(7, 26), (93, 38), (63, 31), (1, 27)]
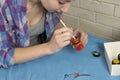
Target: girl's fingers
[(63, 30)]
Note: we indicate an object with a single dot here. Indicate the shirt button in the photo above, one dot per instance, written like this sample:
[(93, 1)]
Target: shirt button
[(13, 31)]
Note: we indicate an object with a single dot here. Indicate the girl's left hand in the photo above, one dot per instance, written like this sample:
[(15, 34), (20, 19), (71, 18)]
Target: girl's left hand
[(83, 36)]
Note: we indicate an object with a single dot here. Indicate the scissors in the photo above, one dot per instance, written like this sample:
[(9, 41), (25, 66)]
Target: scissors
[(74, 75)]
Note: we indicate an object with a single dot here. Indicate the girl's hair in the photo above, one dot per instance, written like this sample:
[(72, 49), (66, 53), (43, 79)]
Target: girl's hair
[(67, 0), (35, 1)]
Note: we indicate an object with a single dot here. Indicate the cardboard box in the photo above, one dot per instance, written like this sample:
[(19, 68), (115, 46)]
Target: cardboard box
[(112, 49)]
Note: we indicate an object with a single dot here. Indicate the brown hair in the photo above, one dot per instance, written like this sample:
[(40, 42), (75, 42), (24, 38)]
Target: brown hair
[(66, 0), (35, 1)]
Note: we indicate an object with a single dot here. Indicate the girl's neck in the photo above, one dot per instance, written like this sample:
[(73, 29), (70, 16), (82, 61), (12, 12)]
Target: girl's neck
[(34, 13)]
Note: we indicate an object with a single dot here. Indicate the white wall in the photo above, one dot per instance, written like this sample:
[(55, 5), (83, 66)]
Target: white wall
[(98, 17)]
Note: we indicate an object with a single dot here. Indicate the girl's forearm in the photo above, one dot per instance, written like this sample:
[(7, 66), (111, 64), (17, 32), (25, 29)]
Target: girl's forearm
[(22, 55)]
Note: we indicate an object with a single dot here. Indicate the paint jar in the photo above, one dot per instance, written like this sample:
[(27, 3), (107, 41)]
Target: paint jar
[(77, 43)]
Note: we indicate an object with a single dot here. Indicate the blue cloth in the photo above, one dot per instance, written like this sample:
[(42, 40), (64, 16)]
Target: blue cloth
[(67, 61)]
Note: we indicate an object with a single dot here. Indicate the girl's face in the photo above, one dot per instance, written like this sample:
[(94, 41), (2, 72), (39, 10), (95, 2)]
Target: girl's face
[(56, 5)]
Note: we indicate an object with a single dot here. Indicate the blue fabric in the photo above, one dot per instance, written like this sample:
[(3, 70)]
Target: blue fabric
[(68, 60)]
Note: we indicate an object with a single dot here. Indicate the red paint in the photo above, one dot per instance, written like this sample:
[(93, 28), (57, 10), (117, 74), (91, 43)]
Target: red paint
[(77, 43)]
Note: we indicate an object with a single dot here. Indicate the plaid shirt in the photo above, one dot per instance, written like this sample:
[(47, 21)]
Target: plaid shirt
[(14, 31)]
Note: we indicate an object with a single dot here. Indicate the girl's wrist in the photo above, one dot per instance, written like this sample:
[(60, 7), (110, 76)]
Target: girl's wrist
[(48, 48)]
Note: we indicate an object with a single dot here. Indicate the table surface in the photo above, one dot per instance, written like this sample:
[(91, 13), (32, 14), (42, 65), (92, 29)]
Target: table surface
[(67, 61)]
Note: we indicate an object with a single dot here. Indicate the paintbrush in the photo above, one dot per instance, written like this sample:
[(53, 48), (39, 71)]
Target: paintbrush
[(58, 16)]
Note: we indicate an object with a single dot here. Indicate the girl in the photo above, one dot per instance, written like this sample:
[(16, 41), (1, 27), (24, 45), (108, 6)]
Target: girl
[(28, 30)]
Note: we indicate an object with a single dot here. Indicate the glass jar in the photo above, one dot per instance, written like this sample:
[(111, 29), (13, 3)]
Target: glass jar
[(77, 43)]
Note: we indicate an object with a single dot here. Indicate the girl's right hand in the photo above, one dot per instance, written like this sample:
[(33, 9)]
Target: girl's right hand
[(61, 37)]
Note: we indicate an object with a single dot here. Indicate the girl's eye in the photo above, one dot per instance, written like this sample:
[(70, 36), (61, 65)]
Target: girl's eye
[(61, 2)]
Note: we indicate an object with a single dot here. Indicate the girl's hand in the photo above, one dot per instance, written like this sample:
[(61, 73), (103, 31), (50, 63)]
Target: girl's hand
[(61, 37), (83, 36)]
